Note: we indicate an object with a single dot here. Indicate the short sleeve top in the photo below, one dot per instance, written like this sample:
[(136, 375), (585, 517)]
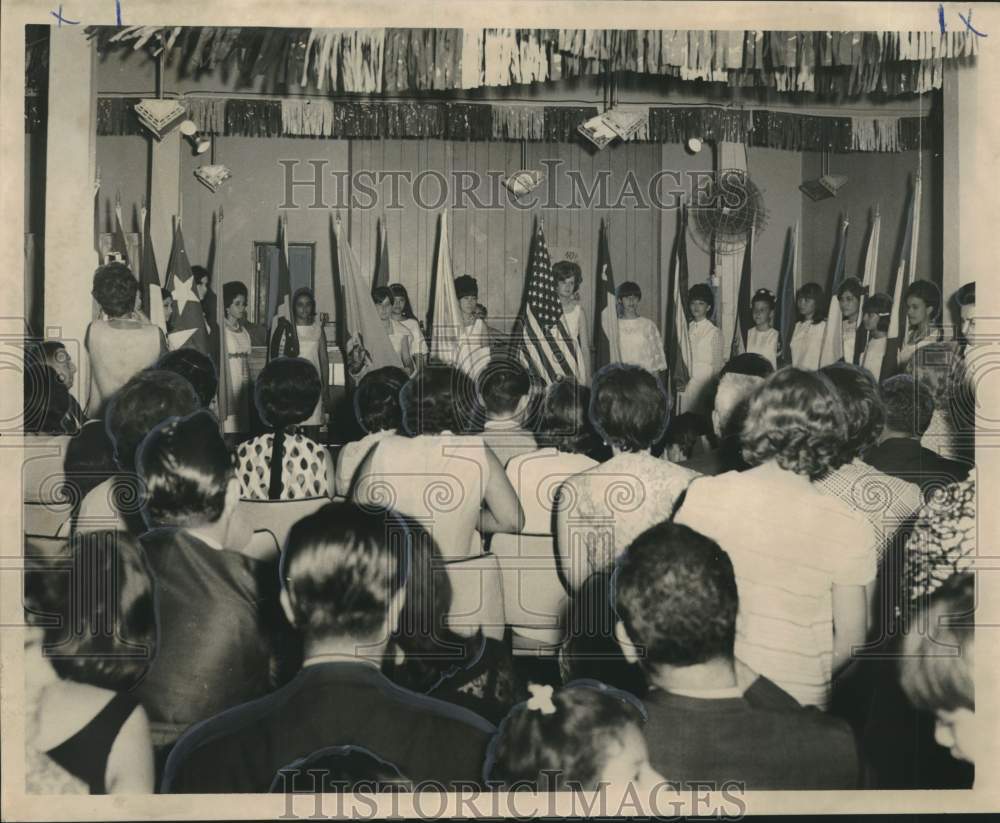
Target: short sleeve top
[(303, 475)]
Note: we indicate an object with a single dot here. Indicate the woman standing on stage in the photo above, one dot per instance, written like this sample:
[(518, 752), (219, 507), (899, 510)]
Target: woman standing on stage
[(312, 347)]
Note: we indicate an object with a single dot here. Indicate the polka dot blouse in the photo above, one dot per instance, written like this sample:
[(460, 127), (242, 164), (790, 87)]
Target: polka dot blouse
[(303, 474)]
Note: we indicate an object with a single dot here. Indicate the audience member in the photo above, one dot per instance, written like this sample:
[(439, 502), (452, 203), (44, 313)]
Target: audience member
[(226, 600), (950, 433), (378, 412), (505, 392), (909, 406), (343, 588), (584, 737), (49, 374), (450, 483), (683, 433), (284, 464), (340, 769), (802, 566), (89, 461), (676, 595), (966, 299), (90, 721), (120, 343), (194, 367)]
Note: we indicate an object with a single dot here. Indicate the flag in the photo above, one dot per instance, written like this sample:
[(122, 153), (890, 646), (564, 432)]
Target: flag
[(447, 323), (871, 255), (381, 276), (785, 305), (744, 311), (906, 269), (225, 388), (189, 319), (149, 278), (546, 341), (119, 242), (281, 309), (677, 342), (367, 344), (833, 336), (605, 307)]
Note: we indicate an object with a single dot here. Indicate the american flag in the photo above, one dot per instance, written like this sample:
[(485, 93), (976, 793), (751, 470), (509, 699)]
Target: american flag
[(548, 347)]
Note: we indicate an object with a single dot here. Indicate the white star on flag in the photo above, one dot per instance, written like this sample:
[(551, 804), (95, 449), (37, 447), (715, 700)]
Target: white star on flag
[(182, 293)]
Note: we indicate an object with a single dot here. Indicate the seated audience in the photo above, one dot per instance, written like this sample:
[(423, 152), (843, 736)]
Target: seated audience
[(909, 406), (89, 461), (683, 435), (49, 374), (965, 297), (737, 381), (581, 738), (89, 719), (606, 506), (378, 412), (285, 464), (196, 368), (505, 392), (676, 595), (343, 588), (148, 399), (566, 441), (121, 342), (950, 434), (449, 483), (803, 564), (224, 599)]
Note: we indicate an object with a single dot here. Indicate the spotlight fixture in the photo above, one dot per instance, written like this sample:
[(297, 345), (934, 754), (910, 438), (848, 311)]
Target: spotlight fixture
[(694, 145), (200, 141)]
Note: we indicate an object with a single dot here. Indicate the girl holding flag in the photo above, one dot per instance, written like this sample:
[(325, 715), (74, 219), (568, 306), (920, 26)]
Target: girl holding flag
[(923, 302)]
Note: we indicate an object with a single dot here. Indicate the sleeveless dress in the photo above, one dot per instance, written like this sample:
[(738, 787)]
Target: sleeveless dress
[(238, 348), (572, 319), (764, 343), (807, 344), (117, 353), (309, 337), (706, 362)]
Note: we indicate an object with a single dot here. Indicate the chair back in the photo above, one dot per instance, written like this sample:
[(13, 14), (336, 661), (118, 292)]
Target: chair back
[(277, 516), (48, 519), (42, 469), (477, 596), (535, 599)]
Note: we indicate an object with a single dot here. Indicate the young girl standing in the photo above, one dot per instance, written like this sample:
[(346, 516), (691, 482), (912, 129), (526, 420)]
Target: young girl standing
[(402, 314), (312, 347), (569, 277), (875, 316), (807, 339), (638, 336), (706, 349), (850, 295), (762, 339), (238, 348)]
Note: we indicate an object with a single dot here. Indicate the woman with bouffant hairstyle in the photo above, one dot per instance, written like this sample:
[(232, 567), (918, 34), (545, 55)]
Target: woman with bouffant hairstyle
[(797, 420)]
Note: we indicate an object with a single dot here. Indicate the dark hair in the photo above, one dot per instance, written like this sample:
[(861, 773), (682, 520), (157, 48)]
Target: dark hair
[(852, 285), (232, 290), (702, 292), (764, 296), (148, 399), (880, 304), (564, 270), (201, 273), (195, 367), (438, 399), (380, 294), (89, 461), (341, 567), (340, 769), (966, 295), (502, 384), (797, 419), (96, 604), (675, 591), (748, 363), (565, 423), (932, 679), (567, 748), (312, 299), (814, 292), (909, 404), (629, 407), (47, 400), (466, 286), (286, 391), (399, 290), (863, 409), (628, 289), (376, 400), (926, 291), (684, 431), (115, 288), (186, 468)]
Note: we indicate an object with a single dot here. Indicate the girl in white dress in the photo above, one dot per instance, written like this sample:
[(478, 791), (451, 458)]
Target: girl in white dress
[(312, 347), (402, 314), (923, 302), (807, 339), (568, 277), (876, 314), (706, 350), (238, 345), (762, 339), (849, 295), (473, 340), (638, 337)]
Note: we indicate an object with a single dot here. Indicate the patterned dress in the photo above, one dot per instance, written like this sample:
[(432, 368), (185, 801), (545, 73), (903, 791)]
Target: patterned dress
[(303, 475)]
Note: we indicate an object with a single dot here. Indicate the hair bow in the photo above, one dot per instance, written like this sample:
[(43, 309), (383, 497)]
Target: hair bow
[(541, 699)]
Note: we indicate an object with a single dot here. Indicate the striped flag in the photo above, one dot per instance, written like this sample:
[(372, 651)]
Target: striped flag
[(149, 278), (906, 269), (606, 307), (190, 329), (677, 342), (367, 344), (744, 311), (381, 277), (833, 336), (547, 344), (785, 307)]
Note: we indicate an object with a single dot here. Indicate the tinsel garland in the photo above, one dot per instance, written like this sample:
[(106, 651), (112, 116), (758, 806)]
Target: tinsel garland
[(477, 121)]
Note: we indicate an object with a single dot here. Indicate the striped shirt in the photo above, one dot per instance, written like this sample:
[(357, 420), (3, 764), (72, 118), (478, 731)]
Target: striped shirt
[(790, 545)]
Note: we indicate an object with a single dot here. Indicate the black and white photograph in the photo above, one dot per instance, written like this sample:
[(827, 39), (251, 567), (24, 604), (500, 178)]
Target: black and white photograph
[(428, 411)]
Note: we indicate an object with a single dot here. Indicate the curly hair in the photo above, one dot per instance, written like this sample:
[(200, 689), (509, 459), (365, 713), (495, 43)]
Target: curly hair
[(938, 367), (438, 399), (863, 408), (564, 270), (797, 419), (232, 290), (629, 407), (115, 289), (909, 404)]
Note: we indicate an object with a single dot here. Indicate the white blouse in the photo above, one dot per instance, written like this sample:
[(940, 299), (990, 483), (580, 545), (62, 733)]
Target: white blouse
[(873, 354), (807, 344), (850, 331), (764, 343)]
